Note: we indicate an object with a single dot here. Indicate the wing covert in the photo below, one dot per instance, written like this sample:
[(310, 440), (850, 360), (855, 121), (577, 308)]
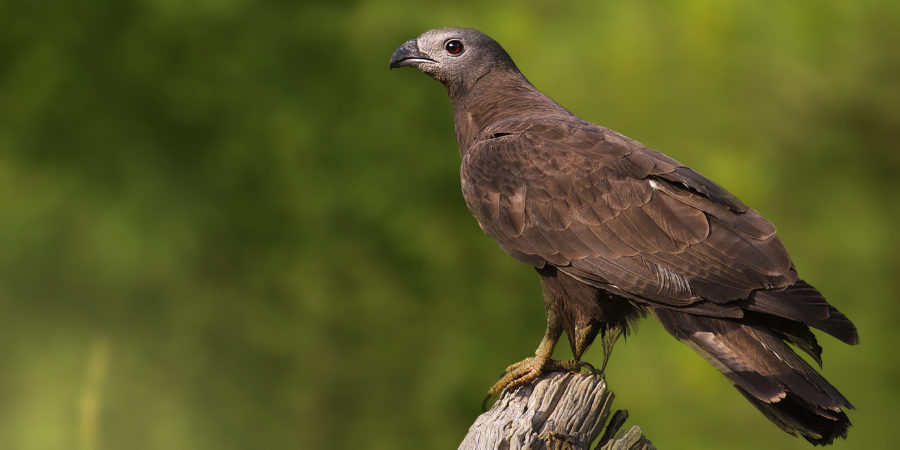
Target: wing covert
[(612, 212)]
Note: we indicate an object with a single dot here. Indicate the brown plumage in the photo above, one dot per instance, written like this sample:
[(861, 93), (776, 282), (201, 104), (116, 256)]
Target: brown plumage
[(616, 229)]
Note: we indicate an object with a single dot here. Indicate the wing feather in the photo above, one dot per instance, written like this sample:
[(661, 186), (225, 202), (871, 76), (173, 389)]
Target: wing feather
[(610, 211)]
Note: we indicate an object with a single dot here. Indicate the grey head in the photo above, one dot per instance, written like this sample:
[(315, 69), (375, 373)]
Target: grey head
[(453, 56)]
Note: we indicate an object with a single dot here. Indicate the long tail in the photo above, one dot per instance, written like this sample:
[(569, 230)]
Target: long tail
[(753, 354)]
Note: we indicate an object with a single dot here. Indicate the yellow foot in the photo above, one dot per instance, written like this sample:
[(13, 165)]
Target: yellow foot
[(529, 369)]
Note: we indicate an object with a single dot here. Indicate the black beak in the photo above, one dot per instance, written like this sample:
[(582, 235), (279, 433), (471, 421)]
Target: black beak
[(409, 54)]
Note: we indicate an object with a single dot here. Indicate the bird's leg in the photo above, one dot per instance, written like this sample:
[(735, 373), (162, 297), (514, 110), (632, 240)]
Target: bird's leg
[(527, 370)]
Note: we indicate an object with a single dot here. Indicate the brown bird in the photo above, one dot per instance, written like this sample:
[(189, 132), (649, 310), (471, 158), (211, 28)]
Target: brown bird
[(617, 230)]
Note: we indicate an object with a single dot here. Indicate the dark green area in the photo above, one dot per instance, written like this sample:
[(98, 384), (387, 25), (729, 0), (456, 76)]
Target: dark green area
[(226, 224)]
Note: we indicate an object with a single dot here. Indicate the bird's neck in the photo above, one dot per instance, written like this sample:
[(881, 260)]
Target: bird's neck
[(501, 94)]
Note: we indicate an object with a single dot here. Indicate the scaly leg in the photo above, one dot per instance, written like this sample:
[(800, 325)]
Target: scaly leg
[(529, 369)]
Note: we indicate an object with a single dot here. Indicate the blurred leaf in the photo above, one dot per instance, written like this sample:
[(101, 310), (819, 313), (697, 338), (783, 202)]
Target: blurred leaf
[(228, 225)]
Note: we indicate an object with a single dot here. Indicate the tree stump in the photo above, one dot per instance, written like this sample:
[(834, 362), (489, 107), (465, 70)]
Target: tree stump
[(561, 410)]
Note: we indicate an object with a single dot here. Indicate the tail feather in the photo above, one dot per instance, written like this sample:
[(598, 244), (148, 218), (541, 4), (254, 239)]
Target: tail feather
[(803, 303), (797, 417), (781, 384), (795, 333)]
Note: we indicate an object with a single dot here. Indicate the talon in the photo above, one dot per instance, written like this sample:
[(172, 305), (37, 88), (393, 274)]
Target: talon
[(593, 370), (528, 370), (484, 402), (518, 374)]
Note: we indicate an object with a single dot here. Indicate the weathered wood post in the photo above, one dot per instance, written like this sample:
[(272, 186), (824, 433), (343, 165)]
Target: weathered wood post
[(561, 410)]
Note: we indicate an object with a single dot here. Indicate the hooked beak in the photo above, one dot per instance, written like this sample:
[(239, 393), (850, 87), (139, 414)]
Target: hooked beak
[(409, 54)]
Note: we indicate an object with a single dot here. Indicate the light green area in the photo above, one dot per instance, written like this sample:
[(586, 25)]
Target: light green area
[(226, 224)]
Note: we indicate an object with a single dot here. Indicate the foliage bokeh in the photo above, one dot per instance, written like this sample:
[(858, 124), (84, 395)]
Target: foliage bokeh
[(227, 225)]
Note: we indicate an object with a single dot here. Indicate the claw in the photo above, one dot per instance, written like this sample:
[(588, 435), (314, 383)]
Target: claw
[(489, 396), (518, 374), (590, 368), (528, 370), (484, 403)]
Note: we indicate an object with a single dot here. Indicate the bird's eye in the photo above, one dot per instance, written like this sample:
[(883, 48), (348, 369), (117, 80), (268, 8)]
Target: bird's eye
[(454, 47)]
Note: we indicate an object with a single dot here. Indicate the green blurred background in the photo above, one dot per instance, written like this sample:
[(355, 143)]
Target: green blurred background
[(227, 225)]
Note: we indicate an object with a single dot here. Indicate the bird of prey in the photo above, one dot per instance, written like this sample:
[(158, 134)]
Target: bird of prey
[(617, 230)]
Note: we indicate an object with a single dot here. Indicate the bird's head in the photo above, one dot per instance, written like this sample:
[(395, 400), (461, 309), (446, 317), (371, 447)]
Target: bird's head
[(453, 56)]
